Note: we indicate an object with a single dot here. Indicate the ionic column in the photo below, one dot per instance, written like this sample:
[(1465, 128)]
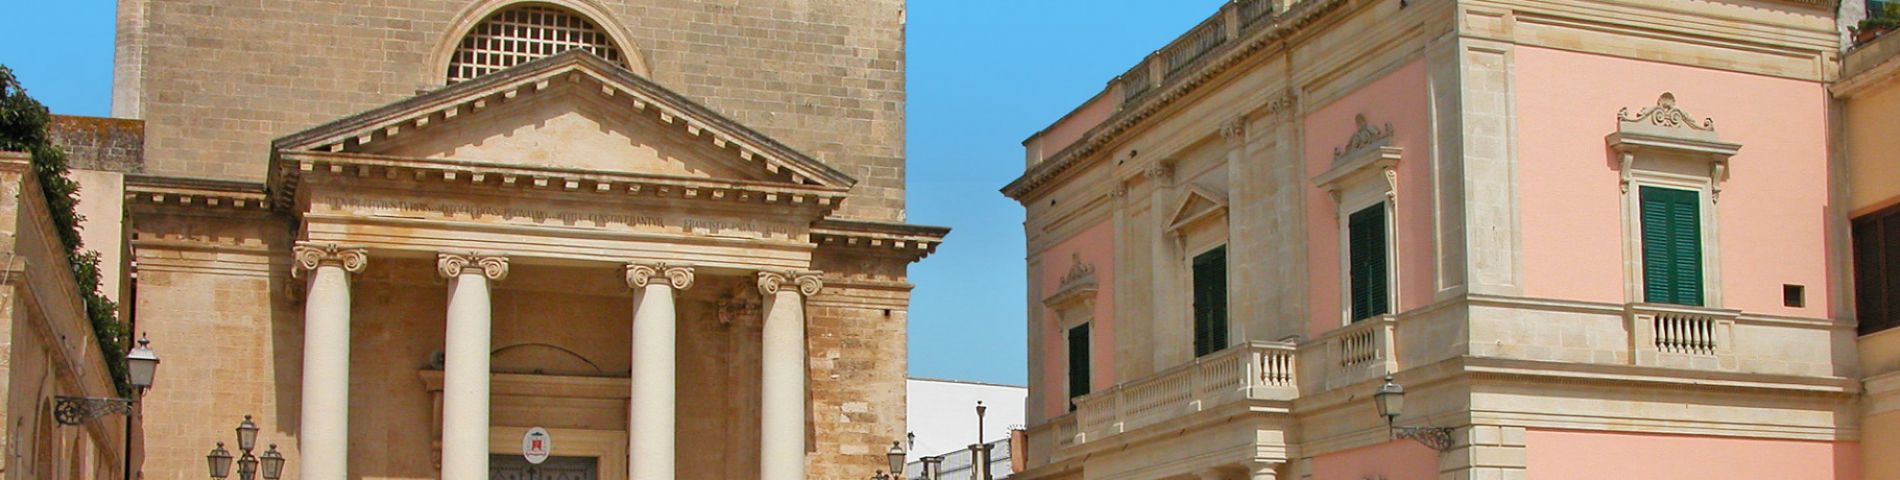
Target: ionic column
[(466, 373), (782, 390), (1263, 471), (324, 434), (651, 423)]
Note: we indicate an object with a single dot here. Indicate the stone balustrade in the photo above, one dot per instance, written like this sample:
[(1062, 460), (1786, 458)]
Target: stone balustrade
[(1362, 351), (1251, 371), (1225, 27)]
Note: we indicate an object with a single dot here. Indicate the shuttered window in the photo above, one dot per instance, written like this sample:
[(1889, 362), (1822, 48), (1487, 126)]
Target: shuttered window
[(1672, 245), (1877, 270), (1078, 363), (1210, 301), (1366, 263)]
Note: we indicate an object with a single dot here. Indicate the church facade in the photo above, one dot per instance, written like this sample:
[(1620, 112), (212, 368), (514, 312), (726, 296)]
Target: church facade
[(400, 235)]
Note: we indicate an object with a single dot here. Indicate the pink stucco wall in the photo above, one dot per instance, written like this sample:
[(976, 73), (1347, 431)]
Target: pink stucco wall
[(1401, 99), (1397, 460), (1772, 209), (1096, 245), (1070, 128), (1567, 455)]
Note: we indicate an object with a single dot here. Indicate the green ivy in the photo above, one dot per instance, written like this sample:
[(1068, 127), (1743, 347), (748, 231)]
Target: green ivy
[(23, 122)]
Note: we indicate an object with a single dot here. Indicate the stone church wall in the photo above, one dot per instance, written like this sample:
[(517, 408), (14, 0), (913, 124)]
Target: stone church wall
[(216, 81)]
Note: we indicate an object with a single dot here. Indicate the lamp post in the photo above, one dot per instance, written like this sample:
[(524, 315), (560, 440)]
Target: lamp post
[(1390, 398), (141, 365), (980, 452), (896, 458), (271, 464), (933, 467)]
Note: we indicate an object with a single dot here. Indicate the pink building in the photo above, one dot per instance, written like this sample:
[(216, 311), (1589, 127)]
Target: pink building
[(1586, 240)]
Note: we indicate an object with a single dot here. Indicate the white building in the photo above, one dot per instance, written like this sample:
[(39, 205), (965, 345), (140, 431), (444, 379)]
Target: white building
[(942, 420)]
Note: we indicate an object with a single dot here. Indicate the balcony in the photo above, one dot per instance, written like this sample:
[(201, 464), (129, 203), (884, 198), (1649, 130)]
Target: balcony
[(1234, 20), (1254, 371)]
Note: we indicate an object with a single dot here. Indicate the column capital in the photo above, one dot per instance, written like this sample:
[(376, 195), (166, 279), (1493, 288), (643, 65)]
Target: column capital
[(451, 265), (809, 281), (1235, 131), (679, 275), (310, 255)]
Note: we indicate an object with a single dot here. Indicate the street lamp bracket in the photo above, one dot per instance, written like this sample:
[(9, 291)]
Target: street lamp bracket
[(79, 410)]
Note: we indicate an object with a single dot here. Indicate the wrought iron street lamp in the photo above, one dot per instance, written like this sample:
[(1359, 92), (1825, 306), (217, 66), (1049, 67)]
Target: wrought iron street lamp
[(1391, 402), (271, 465), (220, 462), (896, 458), (141, 366)]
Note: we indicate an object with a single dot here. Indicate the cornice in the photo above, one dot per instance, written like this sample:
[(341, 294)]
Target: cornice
[(196, 193), (1868, 66), (1130, 115), (294, 167), (912, 242)]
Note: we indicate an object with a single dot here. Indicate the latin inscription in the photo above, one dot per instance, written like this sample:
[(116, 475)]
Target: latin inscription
[(405, 208)]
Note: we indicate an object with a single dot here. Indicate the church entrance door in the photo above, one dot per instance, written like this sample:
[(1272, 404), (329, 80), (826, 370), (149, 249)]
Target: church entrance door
[(513, 467)]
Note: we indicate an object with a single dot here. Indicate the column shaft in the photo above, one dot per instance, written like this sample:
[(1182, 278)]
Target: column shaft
[(652, 421), (324, 427), (782, 409), (325, 430), (466, 373)]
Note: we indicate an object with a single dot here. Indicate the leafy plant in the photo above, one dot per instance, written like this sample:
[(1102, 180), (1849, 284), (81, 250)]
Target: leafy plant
[(23, 122), (1881, 16)]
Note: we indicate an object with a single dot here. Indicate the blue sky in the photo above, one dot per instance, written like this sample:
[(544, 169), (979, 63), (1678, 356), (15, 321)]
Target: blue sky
[(984, 75)]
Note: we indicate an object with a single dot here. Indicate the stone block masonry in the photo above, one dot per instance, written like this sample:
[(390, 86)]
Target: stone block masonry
[(215, 81)]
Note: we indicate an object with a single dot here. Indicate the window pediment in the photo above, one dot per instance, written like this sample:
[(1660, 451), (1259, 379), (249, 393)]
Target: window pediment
[(1078, 286), (1366, 158), (1664, 138), (1200, 203)]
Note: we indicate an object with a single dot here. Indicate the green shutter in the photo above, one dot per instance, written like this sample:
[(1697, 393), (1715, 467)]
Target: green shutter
[(1078, 363), (1210, 301), (1672, 245), (1366, 263)]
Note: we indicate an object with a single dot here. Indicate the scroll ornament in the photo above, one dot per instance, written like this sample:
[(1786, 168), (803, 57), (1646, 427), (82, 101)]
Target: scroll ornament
[(493, 267), (309, 256), (639, 275)]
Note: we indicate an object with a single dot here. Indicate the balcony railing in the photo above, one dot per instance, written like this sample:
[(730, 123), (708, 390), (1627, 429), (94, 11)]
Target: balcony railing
[(1362, 351), (1254, 371), (1681, 337), (1168, 64)]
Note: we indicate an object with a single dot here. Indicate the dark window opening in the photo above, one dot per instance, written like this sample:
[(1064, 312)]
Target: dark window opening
[(1794, 296), (1078, 363), (1367, 264), (1210, 301), (1877, 270)]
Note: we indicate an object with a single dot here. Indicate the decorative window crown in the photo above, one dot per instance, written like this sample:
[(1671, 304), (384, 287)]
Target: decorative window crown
[(524, 34), (1366, 136), (1665, 114)]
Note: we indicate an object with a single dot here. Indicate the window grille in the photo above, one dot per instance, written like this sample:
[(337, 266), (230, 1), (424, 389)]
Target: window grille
[(524, 34)]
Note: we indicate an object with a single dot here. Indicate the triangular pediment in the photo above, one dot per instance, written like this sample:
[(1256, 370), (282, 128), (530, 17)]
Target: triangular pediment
[(1200, 202), (569, 112)]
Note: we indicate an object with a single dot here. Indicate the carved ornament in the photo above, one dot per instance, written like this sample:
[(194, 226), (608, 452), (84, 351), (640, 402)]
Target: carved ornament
[(1235, 131), (451, 265), (1365, 136), (1078, 285), (808, 282), (1665, 114), (679, 276), (309, 256)]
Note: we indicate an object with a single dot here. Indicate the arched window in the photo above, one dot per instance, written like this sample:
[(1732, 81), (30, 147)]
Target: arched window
[(526, 33)]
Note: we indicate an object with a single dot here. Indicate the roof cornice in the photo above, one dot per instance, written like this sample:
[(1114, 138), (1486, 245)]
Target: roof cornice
[(1132, 114)]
